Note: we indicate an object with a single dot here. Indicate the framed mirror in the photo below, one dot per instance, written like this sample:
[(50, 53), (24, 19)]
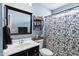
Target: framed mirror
[(19, 21)]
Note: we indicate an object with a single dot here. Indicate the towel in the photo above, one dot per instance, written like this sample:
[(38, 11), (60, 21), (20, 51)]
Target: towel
[(6, 37)]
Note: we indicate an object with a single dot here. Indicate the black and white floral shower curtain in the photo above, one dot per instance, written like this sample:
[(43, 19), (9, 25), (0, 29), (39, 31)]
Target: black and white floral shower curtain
[(63, 33)]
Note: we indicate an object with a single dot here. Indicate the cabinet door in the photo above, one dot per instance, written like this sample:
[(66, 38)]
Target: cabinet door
[(22, 53), (33, 51)]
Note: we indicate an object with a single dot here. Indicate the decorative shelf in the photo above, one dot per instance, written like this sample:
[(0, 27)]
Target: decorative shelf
[(38, 23)]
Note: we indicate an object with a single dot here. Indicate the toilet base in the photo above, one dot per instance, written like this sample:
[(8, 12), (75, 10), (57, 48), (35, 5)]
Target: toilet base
[(45, 52)]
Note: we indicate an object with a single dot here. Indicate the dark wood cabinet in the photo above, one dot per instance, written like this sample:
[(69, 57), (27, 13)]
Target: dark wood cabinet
[(33, 51), (30, 52)]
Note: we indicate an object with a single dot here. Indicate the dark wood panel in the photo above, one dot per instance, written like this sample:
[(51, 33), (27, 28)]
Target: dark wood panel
[(34, 51)]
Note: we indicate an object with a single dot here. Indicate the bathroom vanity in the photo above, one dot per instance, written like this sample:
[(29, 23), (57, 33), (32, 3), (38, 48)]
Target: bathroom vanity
[(29, 48)]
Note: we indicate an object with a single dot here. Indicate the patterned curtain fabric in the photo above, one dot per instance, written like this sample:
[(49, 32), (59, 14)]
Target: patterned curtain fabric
[(62, 31)]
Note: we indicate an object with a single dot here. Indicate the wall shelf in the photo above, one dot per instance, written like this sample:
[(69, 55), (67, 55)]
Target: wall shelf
[(38, 23)]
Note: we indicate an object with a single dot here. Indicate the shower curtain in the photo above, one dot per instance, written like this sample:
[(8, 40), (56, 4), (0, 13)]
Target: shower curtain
[(62, 32)]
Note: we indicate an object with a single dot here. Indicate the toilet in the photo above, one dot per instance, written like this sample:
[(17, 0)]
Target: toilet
[(43, 51)]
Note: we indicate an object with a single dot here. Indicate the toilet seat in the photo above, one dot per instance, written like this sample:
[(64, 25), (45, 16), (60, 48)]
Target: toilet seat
[(45, 52)]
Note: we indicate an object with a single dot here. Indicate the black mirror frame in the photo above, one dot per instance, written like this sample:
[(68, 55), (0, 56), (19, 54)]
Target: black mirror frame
[(18, 10)]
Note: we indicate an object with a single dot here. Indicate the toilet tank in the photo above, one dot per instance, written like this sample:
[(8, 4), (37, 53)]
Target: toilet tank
[(40, 42)]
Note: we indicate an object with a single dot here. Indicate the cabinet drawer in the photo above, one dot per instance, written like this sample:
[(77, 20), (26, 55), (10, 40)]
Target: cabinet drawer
[(33, 51)]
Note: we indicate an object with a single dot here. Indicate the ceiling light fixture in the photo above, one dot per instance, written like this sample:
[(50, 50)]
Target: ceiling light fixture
[(29, 4)]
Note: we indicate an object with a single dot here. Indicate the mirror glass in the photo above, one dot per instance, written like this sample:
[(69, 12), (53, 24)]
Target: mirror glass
[(19, 21)]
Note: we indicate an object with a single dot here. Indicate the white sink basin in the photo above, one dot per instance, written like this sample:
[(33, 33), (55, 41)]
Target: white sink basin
[(24, 43)]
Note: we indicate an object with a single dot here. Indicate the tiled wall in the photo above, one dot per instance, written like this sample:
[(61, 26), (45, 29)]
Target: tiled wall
[(63, 34)]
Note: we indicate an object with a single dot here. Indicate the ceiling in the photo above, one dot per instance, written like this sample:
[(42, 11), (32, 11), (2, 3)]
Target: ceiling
[(53, 6)]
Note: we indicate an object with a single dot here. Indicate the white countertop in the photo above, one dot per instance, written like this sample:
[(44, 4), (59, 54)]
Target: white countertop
[(12, 49)]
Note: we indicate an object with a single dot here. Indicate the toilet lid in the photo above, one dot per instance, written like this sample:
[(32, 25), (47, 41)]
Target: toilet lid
[(46, 52)]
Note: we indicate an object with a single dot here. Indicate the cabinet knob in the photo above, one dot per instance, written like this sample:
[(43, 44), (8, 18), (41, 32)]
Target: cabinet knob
[(35, 50)]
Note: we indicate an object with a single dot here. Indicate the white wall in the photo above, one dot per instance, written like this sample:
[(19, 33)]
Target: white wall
[(40, 10), (36, 8), (1, 35)]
